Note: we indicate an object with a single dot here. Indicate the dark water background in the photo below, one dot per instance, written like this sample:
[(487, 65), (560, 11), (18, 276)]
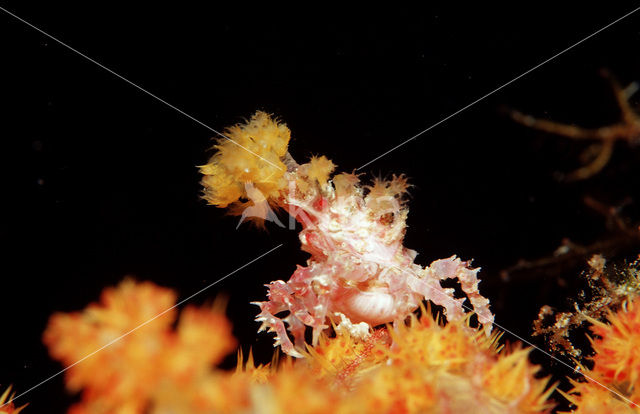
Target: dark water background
[(99, 179)]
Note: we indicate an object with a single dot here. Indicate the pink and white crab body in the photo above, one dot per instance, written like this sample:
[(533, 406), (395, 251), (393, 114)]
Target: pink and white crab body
[(359, 275)]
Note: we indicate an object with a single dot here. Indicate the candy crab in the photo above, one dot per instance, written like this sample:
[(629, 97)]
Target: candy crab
[(359, 274)]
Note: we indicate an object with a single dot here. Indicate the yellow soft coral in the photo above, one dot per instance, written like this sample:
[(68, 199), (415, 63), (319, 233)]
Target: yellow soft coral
[(427, 367), (320, 169), (344, 359), (6, 403), (456, 367), (253, 152)]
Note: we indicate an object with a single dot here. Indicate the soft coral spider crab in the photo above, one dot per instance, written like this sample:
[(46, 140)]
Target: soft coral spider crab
[(359, 275)]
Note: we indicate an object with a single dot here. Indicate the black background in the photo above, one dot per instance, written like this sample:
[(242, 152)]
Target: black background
[(99, 179)]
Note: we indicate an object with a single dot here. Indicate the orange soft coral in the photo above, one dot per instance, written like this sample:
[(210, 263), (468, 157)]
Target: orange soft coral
[(617, 347), (591, 398), (418, 367), (616, 365), (75, 336), (122, 350)]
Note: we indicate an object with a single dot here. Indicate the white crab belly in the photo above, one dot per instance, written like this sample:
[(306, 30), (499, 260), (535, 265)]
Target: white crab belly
[(374, 308)]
